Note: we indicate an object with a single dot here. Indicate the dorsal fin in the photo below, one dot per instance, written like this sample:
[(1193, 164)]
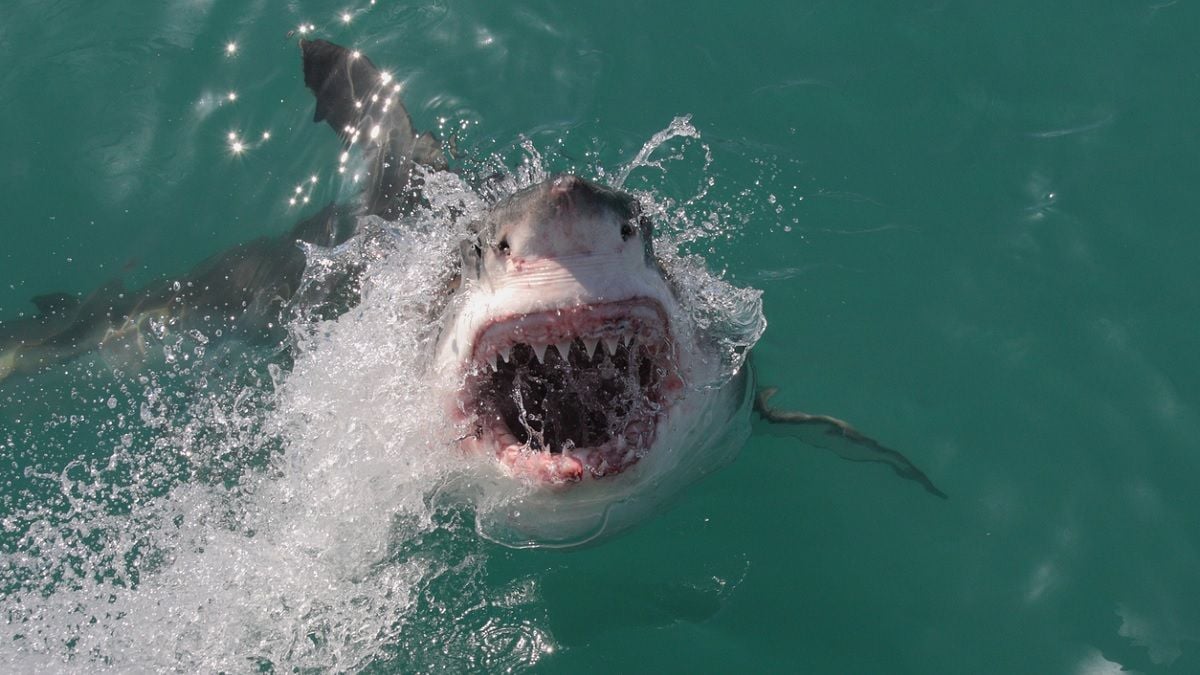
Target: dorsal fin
[(363, 106), (339, 79), (55, 303)]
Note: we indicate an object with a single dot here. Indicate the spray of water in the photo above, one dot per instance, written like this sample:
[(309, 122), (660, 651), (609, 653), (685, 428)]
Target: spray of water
[(298, 507)]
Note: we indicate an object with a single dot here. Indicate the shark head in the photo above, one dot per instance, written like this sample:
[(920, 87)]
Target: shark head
[(564, 334)]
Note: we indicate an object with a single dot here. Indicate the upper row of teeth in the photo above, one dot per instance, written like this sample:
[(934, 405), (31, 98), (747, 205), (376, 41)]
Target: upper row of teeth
[(590, 344)]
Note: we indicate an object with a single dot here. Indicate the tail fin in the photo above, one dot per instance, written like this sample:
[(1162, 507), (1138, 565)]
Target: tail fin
[(363, 106)]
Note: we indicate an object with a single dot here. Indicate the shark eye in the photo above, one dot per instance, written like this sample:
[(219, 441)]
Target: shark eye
[(503, 246), (626, 231)]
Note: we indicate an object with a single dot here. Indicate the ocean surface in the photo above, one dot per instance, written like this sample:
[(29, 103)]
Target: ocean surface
[(975, 226)]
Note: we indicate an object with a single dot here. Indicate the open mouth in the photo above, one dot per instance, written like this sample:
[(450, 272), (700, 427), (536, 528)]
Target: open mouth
[(572, 392)]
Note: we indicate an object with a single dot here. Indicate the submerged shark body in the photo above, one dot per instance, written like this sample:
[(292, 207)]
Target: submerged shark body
[(242, 290), (573, 364)]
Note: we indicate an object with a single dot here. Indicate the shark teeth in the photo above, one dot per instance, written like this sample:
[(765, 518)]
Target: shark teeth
[(591, 347), (636, 328), (610, 343), (517, 399)]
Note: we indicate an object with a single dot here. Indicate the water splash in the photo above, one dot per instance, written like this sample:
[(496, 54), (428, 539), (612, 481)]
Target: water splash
[(295, 506), (680, 127)]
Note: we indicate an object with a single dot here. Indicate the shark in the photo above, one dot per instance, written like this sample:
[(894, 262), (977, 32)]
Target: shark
[(577, 371)]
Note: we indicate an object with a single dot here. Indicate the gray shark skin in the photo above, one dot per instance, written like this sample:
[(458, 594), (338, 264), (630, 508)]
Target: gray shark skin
[(354, 103), (570, 261), (244, 290)]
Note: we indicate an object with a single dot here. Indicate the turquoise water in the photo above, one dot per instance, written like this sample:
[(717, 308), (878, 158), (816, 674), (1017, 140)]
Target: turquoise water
[(974, 226)]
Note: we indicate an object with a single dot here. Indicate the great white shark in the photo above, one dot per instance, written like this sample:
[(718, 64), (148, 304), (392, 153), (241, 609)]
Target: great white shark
[(575, 366)]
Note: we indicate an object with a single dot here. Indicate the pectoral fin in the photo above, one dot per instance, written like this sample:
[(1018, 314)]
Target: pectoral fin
[(833, 434)]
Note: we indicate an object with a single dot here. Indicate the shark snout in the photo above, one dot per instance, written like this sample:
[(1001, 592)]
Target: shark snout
[(569, 191), (570, 196), (565, 184), (562, 217)]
